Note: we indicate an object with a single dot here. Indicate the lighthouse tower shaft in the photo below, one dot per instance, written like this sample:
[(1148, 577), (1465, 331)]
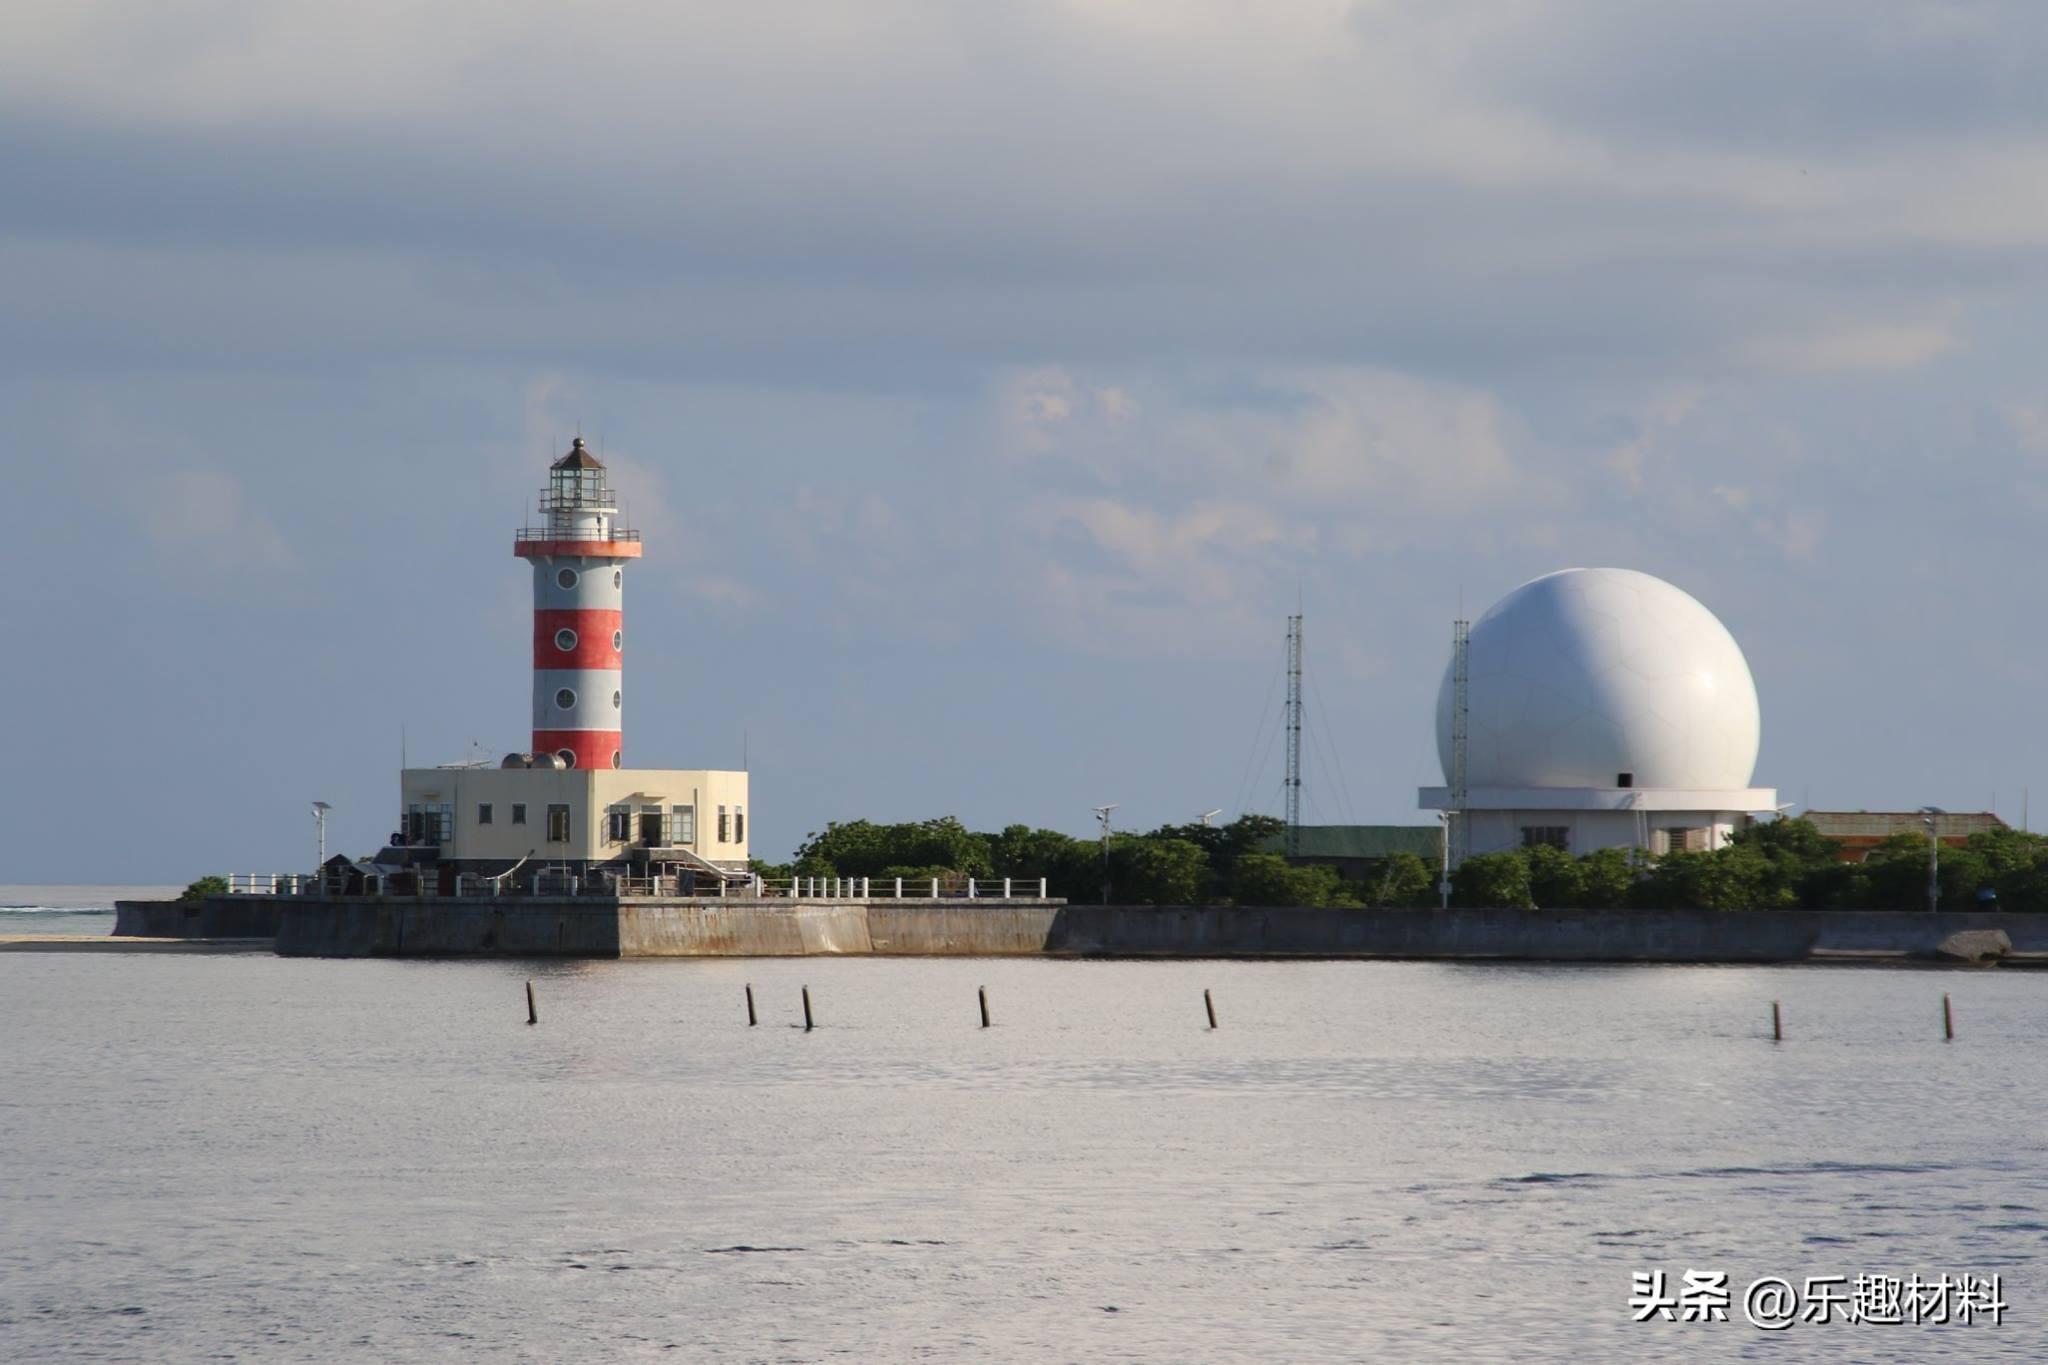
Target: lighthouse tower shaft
[(578, 555)]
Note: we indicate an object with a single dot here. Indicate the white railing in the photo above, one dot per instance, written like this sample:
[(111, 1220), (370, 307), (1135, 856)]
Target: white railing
[(273, 884), (427, 882), (905, 888)]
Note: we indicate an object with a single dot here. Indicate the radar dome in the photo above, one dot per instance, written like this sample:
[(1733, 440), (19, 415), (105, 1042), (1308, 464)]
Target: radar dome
[(1603, 678)]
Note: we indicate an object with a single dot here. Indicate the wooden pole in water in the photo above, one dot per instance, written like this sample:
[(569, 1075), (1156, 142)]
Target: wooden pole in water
[(1777, 1024), (751, 1021), (532, 1015), (982, 992), (807, 1009), (1948, 1020), (1209, 1005)]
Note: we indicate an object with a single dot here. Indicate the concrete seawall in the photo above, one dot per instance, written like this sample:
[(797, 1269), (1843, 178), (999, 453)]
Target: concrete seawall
[(406, 927), (215, 917)]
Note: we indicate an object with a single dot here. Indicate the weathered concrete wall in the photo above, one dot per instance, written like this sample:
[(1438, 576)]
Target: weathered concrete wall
[(219, 917), (403, 927), (733, 928), (741, 929), (1529, 935), (988, 929)]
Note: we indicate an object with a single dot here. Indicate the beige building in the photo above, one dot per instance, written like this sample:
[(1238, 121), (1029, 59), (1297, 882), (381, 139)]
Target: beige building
[(634, 821)]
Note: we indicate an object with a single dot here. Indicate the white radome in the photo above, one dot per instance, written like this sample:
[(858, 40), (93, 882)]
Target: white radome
[(1582, 675)]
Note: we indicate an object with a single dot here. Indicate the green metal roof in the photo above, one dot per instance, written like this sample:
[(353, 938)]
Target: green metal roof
[(1362, 841)]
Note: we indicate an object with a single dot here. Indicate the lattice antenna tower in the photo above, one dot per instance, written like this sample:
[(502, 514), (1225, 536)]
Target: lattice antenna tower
[(1294, 735), (1461, 710)]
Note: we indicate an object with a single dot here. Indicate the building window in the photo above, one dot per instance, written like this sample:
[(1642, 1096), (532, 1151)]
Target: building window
[(1679, 839), (567, 578), (483, 813), (429, 826), (568, 757), (686, 824), (565, 640), (518, 812), (618, 640), (724, 826), (739, 824), (1547, 836), (565, 699), (558, 824), (618, 825), (653, 827)]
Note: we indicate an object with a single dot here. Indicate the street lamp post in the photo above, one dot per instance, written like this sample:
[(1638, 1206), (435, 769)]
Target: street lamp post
[(1102, 814), (1929, 815), (320, 809), (1443, 884)]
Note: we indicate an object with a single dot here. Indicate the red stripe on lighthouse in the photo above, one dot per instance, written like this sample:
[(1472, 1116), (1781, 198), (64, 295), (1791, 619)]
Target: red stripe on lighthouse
[(593, 748), (593, 629)]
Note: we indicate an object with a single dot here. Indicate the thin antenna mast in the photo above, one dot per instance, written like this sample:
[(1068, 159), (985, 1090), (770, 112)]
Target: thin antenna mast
[(1293, 735), (1461, 826)]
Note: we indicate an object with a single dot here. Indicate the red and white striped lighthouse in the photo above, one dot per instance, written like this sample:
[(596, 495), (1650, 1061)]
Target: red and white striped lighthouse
[(579, 581)]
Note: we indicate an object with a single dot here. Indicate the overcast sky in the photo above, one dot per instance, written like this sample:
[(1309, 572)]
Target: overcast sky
[(991, 381)]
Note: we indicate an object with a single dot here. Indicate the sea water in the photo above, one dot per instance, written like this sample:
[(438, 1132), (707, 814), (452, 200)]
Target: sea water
[(33, 909), (255, 1158)]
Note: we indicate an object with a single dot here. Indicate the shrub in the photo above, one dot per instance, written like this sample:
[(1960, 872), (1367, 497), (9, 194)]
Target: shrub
[(1493, 880), (201, 889)]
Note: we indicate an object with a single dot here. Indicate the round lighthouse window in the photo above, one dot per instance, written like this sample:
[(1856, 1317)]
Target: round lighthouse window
[(618, 578), (568, 757), (566, 699), (616, 756), (618, 640), (565, 640), (567, 578), (616, 698)]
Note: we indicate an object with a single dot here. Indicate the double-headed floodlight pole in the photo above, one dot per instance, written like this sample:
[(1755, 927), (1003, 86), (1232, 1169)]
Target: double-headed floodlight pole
[(320, 809), (1209, 817), (1102, 814), (1930, 815)]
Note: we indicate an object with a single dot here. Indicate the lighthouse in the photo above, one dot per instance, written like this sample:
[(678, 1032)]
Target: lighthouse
[(579, 555), (568, 810)]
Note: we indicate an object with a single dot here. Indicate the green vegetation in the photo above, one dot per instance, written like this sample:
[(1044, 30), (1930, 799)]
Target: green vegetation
[(1172, 865), (1783, 864), (201, 889)]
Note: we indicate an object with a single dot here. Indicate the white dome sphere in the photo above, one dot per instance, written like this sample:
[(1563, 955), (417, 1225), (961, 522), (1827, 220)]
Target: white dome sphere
[(1582, 675)]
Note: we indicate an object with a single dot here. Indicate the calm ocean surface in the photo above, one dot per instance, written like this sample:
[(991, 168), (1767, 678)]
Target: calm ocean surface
[(251, 1158), (68, 909)]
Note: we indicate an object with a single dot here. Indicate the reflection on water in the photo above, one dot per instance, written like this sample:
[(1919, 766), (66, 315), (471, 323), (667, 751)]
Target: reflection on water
[(262, 1158)]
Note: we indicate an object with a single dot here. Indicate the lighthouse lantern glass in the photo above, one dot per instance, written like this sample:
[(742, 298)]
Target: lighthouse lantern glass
[(575, 488)]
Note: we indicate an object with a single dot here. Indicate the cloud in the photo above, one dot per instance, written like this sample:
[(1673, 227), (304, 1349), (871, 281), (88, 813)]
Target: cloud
[(1877, 347), (203, 518), (1662, 414), (1152, 503), (2028, 423)]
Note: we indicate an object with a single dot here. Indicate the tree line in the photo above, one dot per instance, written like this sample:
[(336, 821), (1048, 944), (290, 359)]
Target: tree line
[(1192, 864), (1775, 865), (1780, 864)]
